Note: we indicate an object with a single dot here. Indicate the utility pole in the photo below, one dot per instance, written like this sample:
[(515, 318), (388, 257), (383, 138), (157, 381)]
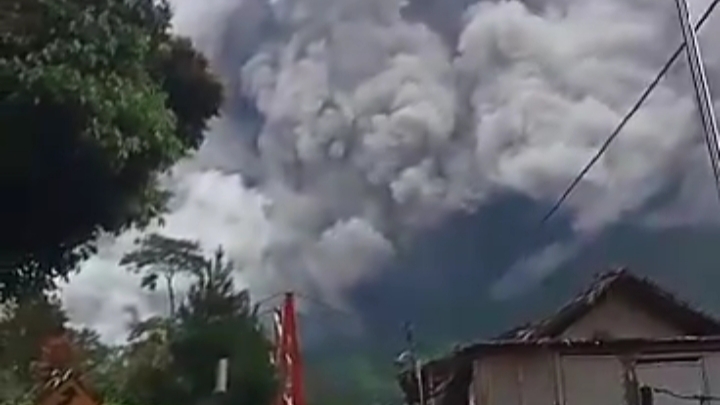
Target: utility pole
[(702, 90), (417, 370)]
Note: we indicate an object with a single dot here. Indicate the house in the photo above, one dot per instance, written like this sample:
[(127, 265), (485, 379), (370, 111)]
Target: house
[(621, 340)]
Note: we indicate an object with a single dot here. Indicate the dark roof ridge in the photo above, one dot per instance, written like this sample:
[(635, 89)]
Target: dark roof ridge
[(692, 320), (456, 366)]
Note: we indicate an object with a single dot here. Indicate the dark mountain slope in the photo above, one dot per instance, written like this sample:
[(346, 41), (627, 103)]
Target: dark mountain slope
[(442, 285)]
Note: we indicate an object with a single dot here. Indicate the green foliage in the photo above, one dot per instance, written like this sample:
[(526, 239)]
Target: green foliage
[(24, 326), (166, 360), (351, 374), (149, 376), (172, 361), (161, 257), (96, 99), (23, 329), (217, 322)]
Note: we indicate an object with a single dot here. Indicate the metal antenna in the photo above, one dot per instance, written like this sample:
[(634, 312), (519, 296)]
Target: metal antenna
[(417, 370)]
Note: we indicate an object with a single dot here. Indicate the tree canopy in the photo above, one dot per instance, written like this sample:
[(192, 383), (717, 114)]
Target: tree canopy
[(217, 321), (96, 99), (29, 327), (167, 360), (176, 357), (160, 257)]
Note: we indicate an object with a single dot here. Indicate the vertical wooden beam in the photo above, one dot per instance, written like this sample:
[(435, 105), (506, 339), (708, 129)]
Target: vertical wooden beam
[(629, 379), (558, 379), (520, 376), (706, 380)]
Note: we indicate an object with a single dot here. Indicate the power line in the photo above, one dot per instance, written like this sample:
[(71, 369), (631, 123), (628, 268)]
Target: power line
[(324, 304), (688, 397), (633, 110), (702, 90), (267, 299), (308, 298), (375, 341)]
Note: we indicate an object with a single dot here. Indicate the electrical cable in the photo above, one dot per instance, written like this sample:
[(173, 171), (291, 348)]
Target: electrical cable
[(702, 90), (327, 306), (268, 298), (309, 298), (375, 341), (693, 397), (633, 110)]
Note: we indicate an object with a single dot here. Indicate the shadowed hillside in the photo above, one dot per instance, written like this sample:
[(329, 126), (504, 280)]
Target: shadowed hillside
[(442, 285)]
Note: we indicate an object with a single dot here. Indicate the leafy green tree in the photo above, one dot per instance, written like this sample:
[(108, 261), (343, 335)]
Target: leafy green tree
[(96, 99), (149, 375), (173, 361), (159, 257), (25, 326), (215, 322), (23, 330), (101, 365)]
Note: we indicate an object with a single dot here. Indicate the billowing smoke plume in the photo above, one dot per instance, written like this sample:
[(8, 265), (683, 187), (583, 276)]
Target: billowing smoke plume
[(354, 125)]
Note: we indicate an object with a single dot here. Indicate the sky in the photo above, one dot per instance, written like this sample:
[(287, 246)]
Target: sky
[(352, 128)]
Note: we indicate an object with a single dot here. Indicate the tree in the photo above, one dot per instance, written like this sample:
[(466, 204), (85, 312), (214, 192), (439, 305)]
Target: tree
[(172, 361), (23, 331), (35, 340), (100, 365), (96, 99), (149, 375), (161, 257), (23, 327), (214, 322)]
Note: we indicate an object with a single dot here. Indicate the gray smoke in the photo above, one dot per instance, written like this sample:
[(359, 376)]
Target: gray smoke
[(354, 125)]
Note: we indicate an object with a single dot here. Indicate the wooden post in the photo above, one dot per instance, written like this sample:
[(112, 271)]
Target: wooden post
[(646, 395), (630, 383)]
